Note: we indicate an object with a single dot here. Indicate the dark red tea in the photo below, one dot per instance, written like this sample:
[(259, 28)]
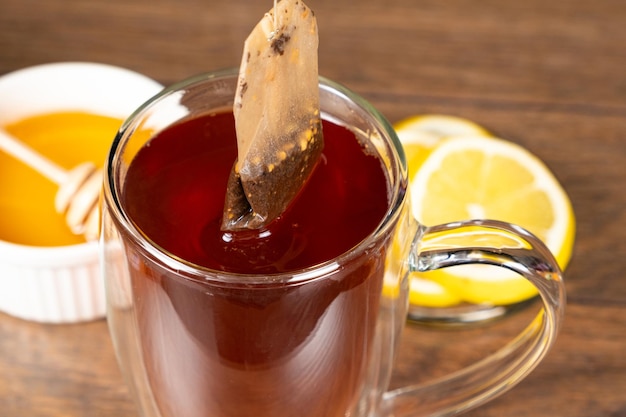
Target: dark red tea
[(271, 350), (175, 191)]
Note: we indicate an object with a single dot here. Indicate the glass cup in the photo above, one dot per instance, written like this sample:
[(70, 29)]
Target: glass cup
[(195, 342)]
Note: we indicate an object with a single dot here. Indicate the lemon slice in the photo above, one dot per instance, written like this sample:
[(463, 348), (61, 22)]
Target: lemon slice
[(427, 293), (477, 177), (419, 135), (429, 128)]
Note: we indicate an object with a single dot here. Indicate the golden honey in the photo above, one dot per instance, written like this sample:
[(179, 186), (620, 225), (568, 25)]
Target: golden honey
[(27, 214)]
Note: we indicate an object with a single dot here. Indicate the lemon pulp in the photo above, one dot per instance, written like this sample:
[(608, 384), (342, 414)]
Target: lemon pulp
[(459, 171)]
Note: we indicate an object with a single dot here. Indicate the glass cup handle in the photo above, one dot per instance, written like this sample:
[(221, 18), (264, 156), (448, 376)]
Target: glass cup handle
[(495, 243)]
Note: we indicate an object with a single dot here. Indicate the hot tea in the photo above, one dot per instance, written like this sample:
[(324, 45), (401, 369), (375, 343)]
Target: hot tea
[(216, 348), (203, 322)]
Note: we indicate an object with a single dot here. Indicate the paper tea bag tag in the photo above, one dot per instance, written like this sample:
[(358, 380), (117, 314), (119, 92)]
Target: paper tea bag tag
[(277, 117)]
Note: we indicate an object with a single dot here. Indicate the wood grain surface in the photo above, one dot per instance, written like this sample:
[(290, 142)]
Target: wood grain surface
[(550, 75)]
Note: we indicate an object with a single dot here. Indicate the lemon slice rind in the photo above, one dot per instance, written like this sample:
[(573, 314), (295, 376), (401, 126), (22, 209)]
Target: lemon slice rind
[(479, 283)]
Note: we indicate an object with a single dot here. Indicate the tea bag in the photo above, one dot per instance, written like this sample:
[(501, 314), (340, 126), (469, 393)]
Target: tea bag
[(277, 117)]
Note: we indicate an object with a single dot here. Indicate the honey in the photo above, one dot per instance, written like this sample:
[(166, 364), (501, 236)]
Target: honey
[(27, 214)]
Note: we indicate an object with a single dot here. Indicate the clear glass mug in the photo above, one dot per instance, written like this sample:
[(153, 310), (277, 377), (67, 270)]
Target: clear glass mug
[(188, 339)]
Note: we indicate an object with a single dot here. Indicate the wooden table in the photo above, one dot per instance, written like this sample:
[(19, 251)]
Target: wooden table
[(550, 75)]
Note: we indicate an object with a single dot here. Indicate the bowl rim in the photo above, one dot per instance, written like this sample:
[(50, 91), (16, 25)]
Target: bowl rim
[(53, 77), (50, 256)]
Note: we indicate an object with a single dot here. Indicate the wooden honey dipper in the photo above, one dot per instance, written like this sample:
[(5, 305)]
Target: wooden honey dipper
[(79, 188)]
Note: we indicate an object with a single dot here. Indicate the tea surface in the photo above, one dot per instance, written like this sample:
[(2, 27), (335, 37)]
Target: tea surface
[(175, 191)]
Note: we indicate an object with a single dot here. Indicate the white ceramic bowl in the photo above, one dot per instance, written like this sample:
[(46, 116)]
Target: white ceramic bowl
[(62, 284)]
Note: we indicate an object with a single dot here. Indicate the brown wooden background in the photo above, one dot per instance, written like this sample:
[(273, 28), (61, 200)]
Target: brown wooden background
[(550, 75)]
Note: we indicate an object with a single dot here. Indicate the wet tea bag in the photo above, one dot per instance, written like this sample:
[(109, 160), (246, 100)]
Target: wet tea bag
[(277, 117)]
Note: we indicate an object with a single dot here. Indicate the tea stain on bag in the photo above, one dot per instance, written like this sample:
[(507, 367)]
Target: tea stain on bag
[(277, 117)]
